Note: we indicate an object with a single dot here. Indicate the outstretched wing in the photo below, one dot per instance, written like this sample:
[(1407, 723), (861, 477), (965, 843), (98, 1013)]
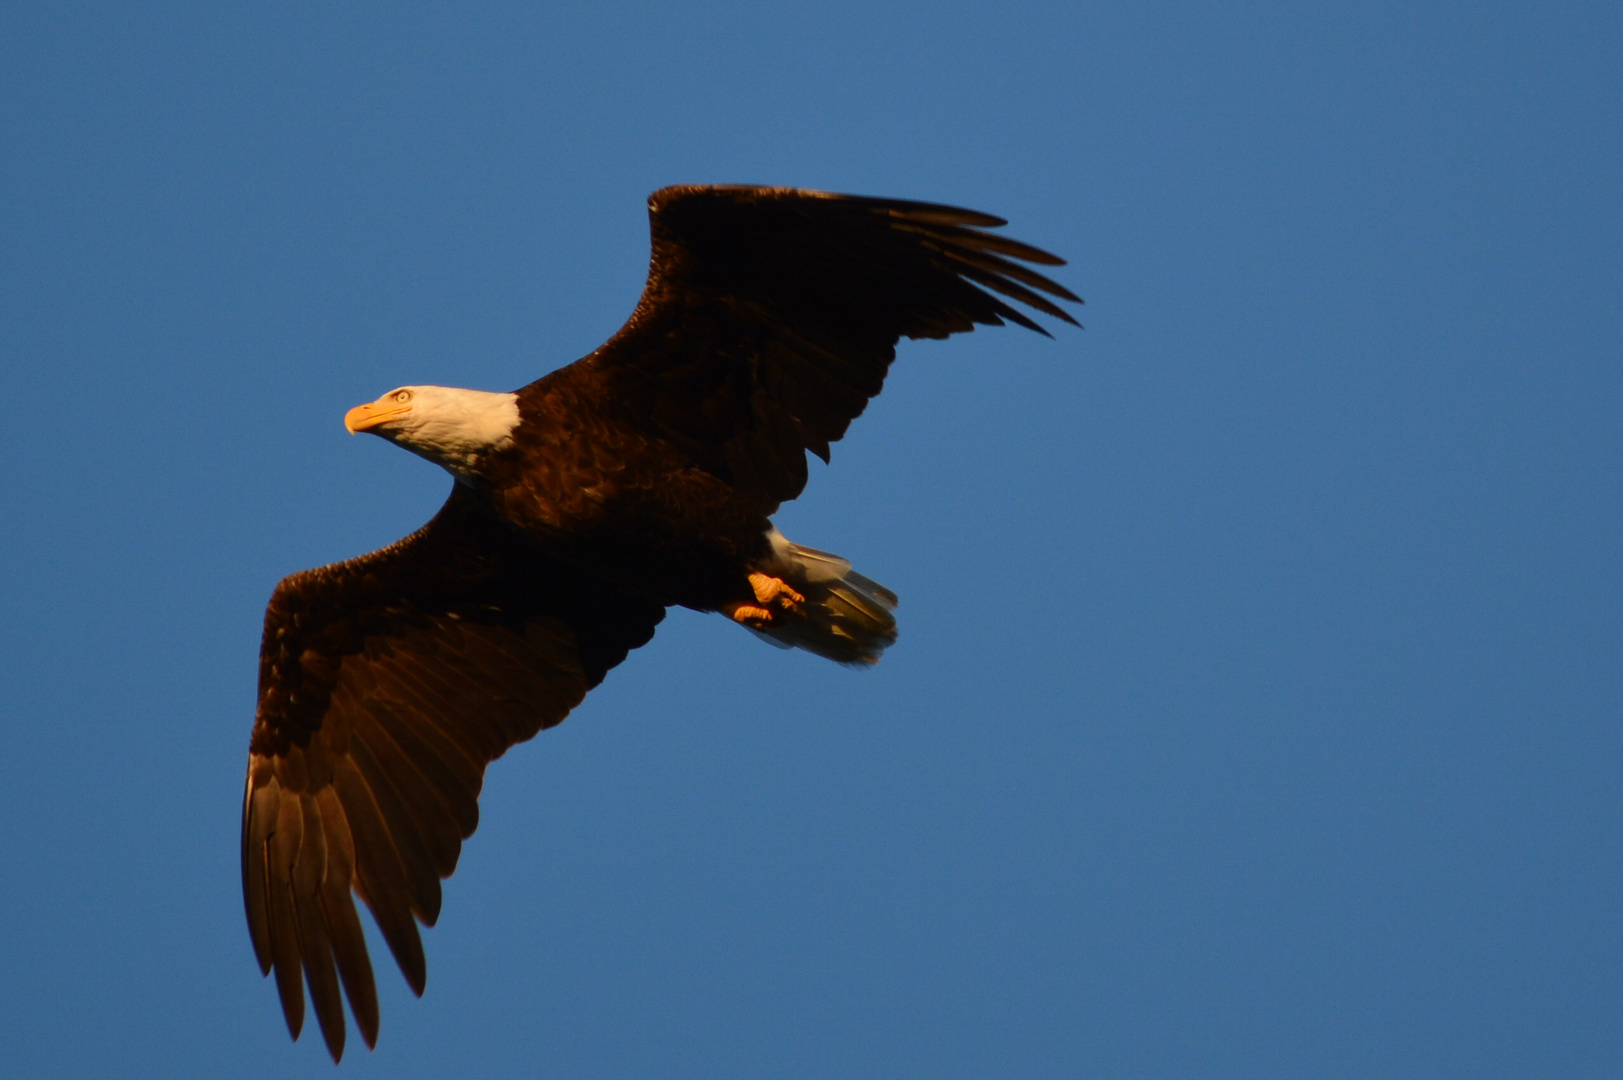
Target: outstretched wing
[(386, 685), (771, 316)]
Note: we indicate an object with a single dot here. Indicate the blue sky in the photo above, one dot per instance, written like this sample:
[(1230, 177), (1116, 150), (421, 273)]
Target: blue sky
[(1256, 710)]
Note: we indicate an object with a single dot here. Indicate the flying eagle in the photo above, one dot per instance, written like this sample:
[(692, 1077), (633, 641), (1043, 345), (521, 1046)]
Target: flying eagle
[(584, 505)]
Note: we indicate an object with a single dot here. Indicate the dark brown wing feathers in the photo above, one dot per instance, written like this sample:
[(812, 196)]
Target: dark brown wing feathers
[(772, 315), (388, 683)]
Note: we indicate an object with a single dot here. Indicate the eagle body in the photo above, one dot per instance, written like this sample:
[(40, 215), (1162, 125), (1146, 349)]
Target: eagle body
[(583, 506), (586, 477)]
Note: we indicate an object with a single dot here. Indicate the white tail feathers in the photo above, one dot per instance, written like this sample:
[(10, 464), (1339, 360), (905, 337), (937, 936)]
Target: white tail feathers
[(847, 616)]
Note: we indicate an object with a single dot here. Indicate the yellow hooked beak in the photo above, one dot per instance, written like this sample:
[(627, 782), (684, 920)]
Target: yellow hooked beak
[(368, 416)]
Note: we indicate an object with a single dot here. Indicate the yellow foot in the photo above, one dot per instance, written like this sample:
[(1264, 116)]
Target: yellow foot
[(776, 600), (759, 618), (771, 590)]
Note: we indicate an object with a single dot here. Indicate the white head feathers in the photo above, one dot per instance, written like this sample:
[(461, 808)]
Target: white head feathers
[(451, 427)]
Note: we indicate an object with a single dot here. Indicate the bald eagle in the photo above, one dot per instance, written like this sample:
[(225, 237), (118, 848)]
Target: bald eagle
[(583, 506)]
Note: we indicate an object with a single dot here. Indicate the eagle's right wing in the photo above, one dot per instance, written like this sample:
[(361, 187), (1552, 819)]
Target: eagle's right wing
[(387, 684)]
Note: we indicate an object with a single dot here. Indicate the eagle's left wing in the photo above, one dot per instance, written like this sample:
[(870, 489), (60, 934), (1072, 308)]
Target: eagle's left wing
[(771, 316)]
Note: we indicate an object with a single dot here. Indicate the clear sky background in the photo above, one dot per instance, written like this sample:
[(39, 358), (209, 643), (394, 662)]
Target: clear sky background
[(1256, 710)]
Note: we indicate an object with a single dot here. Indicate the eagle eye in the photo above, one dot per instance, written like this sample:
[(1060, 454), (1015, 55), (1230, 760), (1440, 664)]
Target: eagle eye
[(402, 395)]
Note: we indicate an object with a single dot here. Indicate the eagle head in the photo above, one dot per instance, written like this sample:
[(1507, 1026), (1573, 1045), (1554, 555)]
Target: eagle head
[(451, 427)]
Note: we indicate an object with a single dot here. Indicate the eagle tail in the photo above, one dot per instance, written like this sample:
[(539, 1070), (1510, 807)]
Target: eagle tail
[(847, 616)]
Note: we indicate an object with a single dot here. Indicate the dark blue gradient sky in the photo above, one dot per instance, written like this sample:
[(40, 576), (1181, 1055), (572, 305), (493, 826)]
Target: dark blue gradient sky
[(1257, 707)]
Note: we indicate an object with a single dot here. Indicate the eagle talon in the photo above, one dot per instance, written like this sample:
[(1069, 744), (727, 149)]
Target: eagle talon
[(751, 616), (776, 601), (776, 591)]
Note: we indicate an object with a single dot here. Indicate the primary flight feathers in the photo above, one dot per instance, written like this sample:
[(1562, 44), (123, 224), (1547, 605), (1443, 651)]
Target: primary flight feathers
[(585, 504)]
